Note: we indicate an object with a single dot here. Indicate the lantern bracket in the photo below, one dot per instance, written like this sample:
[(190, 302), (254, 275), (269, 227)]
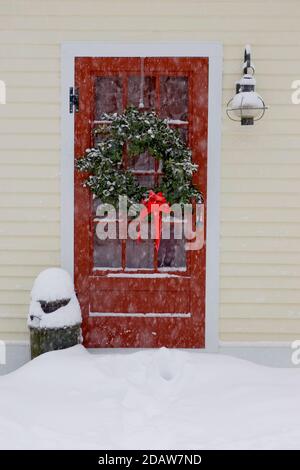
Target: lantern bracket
[(248, 66)]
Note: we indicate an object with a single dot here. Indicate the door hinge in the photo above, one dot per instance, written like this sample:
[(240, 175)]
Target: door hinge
[(73, 99)]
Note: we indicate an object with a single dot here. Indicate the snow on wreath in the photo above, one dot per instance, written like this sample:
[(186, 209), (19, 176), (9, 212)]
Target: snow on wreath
[(139, 132)]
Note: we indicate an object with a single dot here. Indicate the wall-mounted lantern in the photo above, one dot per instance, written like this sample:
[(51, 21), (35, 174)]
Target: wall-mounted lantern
[(246, 106)]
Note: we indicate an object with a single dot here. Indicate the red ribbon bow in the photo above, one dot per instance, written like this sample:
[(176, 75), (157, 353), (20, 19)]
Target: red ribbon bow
[(155, 204)]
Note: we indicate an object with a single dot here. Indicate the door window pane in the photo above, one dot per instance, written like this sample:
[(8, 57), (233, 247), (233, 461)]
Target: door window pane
[(171, 253), (108, 96), (107, 253), (134, 91), (146, 180), (174, 97), (139, 254), (142, 162)]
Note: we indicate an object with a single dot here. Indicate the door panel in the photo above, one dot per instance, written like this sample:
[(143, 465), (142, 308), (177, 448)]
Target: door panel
[(132, 296)]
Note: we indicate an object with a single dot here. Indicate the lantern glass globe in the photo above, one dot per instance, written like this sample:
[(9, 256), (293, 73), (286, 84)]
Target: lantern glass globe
[(247, 104)]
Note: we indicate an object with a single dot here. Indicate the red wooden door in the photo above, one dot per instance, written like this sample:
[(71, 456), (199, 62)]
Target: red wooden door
[(130, 295)]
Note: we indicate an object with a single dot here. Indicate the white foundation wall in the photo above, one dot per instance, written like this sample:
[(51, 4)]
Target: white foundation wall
[(260, 165)]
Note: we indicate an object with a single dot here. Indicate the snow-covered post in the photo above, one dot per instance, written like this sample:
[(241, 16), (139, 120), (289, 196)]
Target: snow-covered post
[(54, 317)]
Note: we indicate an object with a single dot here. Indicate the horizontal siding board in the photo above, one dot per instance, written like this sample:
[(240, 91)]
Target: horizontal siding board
[(29, 185), (28, 201), (258, 282), (30, 157), (275, 186), (287, 231), (131, 33), (258, 296), (256, 337), (261, 310), (183, 22), (29, 126), (30, 214), (30, 141), (7, 325), (31, 244), (36, 171), (269, 326), (259, 157), (10, 273), (232, 214), (260, 199), (260, 240), (26, 110), (281, 270), (38, 258), (260, 257), (261, 171), (15, 283), (39, 227), (138, 7)]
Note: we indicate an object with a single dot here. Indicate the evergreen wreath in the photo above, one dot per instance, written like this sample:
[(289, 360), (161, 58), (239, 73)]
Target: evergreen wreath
[(139, 131)]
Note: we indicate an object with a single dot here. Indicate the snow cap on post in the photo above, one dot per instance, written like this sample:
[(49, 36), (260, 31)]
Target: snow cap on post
[(52, 284), (53, 301)]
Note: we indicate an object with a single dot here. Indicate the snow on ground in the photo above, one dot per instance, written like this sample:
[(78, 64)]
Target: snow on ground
[(164, 399)]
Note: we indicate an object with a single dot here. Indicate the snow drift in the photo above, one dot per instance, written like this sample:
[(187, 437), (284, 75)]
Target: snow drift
[(164, 399)]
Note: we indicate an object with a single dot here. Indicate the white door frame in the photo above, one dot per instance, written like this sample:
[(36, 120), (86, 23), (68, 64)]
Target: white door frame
[(214, 53)]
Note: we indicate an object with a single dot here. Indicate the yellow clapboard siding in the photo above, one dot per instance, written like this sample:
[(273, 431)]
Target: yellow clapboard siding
[(34, 95), (32, 79), (260, 200), (29, 110), (29, 201), (258, 296), (270, 230), (15, 336), (145, 22), (263, 245), (276, 186), (38, 258), (271, 126), (11, 272), (258, 282), (259, 157), (29, 126), (261, 171), (282, 270), (263, 142), (257, 337), (16, 283), (29, 185), (34, 228), (231, 214), (138, 7), (28, 141), (260, 257), (18, 325), (32, 214), (36, 171), (29, 243), (14, 310), (30, 157), (268, 326), (263, 310), (18, 297), (115, 33)]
